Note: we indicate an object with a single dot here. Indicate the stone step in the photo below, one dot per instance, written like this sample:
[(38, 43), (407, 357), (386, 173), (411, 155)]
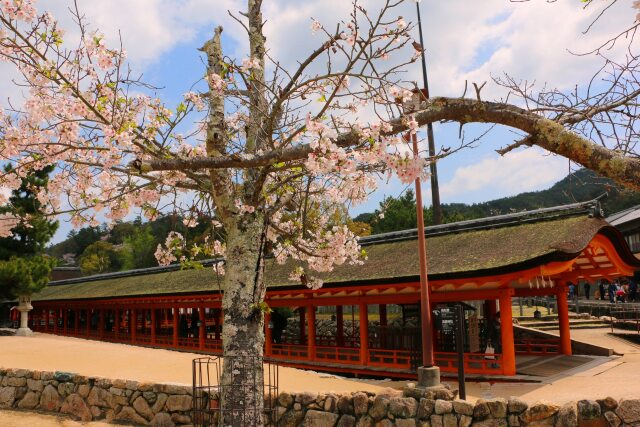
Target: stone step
[(538, 323), (583, 326)]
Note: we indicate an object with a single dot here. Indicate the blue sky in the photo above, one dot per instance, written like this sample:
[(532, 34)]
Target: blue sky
[(472, 41)]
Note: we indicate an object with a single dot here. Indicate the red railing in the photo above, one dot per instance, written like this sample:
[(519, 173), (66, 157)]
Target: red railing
[(290, 351), (188, 342), (213, 346), (338, 354), (537, 346), (474, 363), (390, 358)]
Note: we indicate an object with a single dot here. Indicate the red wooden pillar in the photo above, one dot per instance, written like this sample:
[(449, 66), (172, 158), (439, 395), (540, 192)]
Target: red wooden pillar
[(153, 326), (117, 323), (76, 321), (101, 324), (88, 321), (202, 332), (301, 313), (506, 330), (46, 319), (364, 333), (383, 314), (267, 334), (340, 325), (311, 339), (216, 323), (56, 313), (176, 315), (133, 320), (563, 319), (65, 316)]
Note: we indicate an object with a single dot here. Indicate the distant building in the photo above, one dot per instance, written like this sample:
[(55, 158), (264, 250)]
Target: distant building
[(365, 319), (628, 223)]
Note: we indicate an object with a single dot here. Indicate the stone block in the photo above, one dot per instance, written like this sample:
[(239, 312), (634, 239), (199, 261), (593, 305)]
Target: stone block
[(462, 407), (612, 419), (179, 403), (567, 415), (405, 422), (516, 405), (100, 397), (629, 410), (63, 376), (379, 408), (465, 421), (443, 407), (50, 399), (150, 397), (360, 404), (539, 411), (16, 381), (450, 420), (497, 407), (161, 399), (346, 421), (30, 400), (129, 415), (76, 406), (426, 408), (345, 405), (481, 410), (607, 404), (35, 385), (285, 400), (436, 421), (66, 388), (162, 419), (142, 407), (365, 421), (403, 407), (588, 410), (319, 418)]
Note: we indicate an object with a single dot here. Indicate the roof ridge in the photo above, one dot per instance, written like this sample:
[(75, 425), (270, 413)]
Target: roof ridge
[(591, 207)]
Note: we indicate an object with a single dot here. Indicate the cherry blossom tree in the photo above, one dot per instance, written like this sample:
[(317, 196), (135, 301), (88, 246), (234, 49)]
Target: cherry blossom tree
[(275, 151)]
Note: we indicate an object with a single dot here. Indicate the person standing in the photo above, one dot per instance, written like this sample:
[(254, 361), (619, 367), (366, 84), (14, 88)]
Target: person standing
[(633, 287), (612, 292), (587, 289), (601, 289)]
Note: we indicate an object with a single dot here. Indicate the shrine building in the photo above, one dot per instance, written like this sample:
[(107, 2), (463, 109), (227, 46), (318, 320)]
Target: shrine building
[(365, 319)]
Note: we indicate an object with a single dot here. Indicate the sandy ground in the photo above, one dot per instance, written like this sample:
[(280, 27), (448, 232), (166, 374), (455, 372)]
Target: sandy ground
[(617, 376), (94, 358)]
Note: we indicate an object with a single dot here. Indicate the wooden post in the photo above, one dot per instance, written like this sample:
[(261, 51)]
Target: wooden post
[(76, 321), (133, 320), (340, 325), (46, 319), (216, 323), (364, 333), (383, 314), (88, 321), (176, 316), (301, 313), (65, 316), (153, 326), (311, 339), (101, 324), (506, 331), (56, 314), (116, 324), (267, 334), (563, 319), (202, 333)]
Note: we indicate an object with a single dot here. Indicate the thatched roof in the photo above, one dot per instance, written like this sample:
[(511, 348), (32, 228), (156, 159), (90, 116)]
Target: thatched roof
[(480, 248)]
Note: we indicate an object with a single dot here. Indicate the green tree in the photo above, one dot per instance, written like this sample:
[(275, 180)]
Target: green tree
[(30, 236), (139, 249), (24, 276), (100, 257), (396, 214)]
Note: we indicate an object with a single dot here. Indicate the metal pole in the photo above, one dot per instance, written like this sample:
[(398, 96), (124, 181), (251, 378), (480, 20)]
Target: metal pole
[(435, 188), (460, 349), (425, 318)]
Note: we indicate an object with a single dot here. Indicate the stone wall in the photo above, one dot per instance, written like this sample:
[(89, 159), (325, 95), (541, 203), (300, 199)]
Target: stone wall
[(136, 403), (416, 408), (90, 398)]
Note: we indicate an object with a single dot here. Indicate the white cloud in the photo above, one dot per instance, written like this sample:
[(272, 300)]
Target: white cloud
[(514, 173)]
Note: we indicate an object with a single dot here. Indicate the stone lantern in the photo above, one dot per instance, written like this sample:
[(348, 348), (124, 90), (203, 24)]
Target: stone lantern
[(24, 307)]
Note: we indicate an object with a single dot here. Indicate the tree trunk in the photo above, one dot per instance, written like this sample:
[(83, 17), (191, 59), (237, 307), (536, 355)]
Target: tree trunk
[(242, 391)]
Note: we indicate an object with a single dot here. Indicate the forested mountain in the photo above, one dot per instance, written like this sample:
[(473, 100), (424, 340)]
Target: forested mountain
[(132, 244), (583, 185)]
